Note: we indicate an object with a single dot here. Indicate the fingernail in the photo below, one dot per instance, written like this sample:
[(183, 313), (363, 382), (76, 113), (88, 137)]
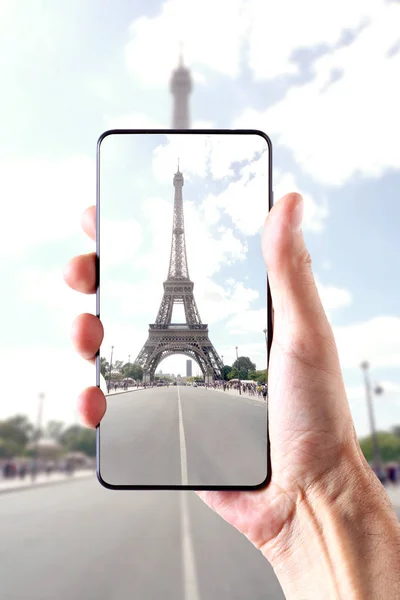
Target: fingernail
[(297, 215)]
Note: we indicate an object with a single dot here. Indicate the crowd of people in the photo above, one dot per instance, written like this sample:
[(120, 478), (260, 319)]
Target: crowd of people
[(250, 388)]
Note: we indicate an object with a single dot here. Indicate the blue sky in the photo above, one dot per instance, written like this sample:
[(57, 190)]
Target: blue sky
[(324, 89)]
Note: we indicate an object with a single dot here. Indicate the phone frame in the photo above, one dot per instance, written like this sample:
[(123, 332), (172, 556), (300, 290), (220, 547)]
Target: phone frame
[(269, 300)]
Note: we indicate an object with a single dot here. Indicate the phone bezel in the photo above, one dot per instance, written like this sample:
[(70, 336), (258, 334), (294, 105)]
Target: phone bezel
[(269, 301)]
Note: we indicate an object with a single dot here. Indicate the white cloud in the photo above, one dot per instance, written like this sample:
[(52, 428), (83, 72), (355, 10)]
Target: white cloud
[(310, 24), (376, 340), (120, 241), (60, 374), (202, 154), (188, 22), (134, 120), (260, 29), (337, 130), (43, 200), (248, 321), (46, 292)]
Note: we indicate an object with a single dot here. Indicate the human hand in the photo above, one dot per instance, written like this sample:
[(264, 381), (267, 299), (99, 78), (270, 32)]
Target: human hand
[(314, 448)]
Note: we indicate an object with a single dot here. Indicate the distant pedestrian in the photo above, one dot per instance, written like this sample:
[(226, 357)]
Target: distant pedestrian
[(264, 391)]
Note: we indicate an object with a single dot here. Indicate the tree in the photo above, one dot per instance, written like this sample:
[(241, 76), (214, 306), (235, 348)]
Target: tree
[(54, 430), (133, 371), (117, 366), (389, 446), (259, 376), (245, 365), (226, 369), (244, 362), (79, 439), (104, 366), (15, 433), (396, 430), (233, 374)]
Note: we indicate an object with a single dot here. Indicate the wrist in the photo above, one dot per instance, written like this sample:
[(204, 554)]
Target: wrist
[(342, 538)]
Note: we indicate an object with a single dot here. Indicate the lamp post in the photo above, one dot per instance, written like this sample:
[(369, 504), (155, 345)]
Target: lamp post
[(378, 390), (109, 372), (265, 335), (38, 436), (238, 368)]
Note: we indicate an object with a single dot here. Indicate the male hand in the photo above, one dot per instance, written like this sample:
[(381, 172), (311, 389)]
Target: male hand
[(313, 442)]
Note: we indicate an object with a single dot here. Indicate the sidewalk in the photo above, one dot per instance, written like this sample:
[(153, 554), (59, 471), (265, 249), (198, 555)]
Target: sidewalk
[(42, 480), (121, 391), (244, 394)]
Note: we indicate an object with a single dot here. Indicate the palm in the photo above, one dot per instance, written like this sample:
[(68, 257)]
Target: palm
[(305, 428)]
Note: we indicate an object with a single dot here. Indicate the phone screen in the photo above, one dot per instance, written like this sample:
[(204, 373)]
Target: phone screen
[(182, 295)]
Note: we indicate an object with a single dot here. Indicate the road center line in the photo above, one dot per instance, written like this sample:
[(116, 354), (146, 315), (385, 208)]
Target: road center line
[(190, 581), (182, 443)]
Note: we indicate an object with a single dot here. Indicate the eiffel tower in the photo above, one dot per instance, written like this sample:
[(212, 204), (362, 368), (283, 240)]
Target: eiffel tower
[(190, 338)]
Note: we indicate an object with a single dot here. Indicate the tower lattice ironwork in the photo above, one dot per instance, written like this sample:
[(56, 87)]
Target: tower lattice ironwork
[(191, 337)]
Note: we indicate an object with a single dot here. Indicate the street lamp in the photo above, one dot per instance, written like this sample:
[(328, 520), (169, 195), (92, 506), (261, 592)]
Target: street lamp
[(238, 368), (265, 335), (378, 390), (38, 436), (109, 373)]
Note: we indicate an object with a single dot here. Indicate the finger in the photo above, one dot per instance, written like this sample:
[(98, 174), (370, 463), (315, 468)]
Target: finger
[(91, 406), (80, 273), (293, 289), (87, 334), (88, 222)]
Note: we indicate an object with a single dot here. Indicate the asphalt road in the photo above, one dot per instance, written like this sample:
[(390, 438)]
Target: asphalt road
[(79, 541), (160, 436)]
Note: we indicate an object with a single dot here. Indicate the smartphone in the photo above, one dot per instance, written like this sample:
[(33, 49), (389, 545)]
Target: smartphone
[(182, 292)]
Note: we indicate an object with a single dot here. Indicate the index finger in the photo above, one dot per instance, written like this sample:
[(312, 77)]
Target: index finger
[(89, 222)]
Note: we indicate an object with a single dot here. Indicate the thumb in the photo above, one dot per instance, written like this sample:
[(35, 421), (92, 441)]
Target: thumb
[(293, 289)]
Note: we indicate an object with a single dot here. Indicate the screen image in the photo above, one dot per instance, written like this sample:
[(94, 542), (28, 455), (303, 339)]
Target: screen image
[(183, 300)]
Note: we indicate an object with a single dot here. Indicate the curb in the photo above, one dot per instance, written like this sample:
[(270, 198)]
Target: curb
[(33, 485), (253, 398)]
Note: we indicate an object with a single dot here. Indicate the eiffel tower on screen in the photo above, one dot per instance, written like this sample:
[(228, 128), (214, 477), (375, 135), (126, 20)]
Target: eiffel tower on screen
[(191, 337)]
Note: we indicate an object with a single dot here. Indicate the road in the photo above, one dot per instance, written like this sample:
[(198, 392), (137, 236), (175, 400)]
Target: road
[(162, 436), (79, 541)]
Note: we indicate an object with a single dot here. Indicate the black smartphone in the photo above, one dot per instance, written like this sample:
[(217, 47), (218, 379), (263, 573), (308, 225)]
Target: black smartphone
[(184, 300)]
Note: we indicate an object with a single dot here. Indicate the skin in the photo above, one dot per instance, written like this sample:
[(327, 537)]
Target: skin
[(318, 470)]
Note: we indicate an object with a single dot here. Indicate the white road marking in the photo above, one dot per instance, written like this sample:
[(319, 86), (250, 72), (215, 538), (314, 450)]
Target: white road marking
[(190, 580), (182, 443)]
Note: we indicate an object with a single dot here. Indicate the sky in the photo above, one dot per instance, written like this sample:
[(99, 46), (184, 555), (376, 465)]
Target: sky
[(325, 89)]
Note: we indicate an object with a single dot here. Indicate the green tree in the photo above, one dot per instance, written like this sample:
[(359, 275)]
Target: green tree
[(225, 371), (396, 430), (54, 430), (233, 374), (104, 367), (79, 439), (245, 365), (117, 366), (15, 433), (133, 371), (389, 446), (259, 376)]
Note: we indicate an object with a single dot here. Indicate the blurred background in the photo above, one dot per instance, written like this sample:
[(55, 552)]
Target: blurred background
[(323, 81)]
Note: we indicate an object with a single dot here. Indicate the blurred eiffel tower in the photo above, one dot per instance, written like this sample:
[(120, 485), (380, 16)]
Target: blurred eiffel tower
[(191, 337)]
